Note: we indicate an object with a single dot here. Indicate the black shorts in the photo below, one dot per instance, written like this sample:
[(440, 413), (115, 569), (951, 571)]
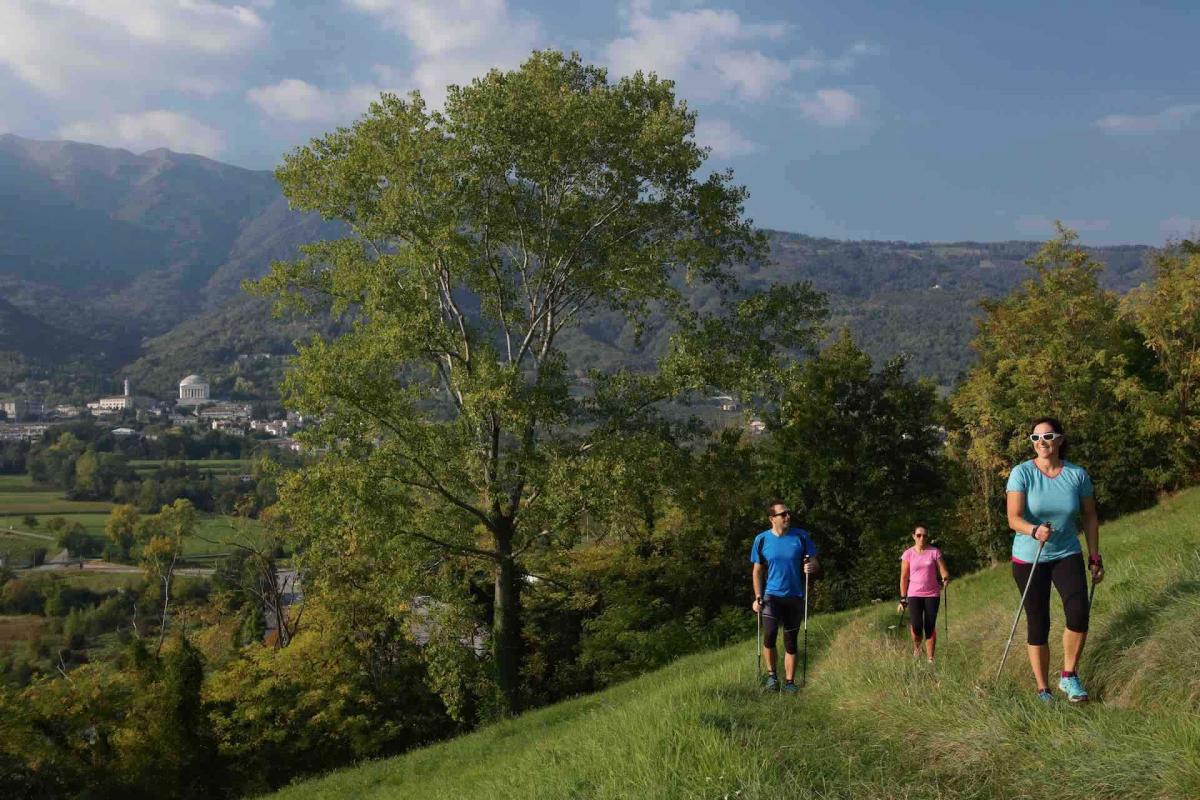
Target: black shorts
[(1070, 578), (782, 612)]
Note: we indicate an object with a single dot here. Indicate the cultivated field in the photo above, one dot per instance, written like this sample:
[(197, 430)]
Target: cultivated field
[(20, 497)]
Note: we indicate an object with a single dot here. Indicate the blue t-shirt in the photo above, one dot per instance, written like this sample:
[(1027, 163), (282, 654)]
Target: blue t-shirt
[(1052, 500), (784, 556)]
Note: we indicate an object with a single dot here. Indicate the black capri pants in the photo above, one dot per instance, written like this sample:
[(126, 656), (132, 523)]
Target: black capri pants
[(922, 615), (1068, 576), (785, 611)]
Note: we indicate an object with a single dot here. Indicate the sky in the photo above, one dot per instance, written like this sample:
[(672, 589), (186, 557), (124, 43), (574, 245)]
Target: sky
[(935, 121)]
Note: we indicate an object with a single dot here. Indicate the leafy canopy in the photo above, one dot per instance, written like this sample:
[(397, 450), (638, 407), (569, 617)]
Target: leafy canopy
[(535, 200)]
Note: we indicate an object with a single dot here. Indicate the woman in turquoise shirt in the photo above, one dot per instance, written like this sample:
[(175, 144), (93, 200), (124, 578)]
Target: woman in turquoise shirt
[(1045, 497)]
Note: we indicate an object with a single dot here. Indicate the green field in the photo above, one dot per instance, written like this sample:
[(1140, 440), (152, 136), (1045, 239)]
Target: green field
[(217, 466), (213, 534), (19, 497), (18, 550), (18, 483), (16, 503), (874, 723)]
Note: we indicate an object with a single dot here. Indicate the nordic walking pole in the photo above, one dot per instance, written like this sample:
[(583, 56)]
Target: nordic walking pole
[(758, 655), (946, 608), (1020, 608), (804, 668)]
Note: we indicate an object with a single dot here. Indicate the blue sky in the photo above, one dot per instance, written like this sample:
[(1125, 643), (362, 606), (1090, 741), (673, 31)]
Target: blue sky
[(922, 121)]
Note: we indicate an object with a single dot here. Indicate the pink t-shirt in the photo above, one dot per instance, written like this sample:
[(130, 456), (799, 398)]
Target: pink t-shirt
[(922, 572)]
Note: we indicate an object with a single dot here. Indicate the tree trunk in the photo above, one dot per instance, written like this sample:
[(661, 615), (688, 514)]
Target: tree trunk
[(506, 623)]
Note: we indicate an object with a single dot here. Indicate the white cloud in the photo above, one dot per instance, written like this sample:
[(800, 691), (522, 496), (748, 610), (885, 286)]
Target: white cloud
[(1172, 118), (713, 53), (454, 41), (75, 48), (849, 60), (299, 101), (194, 24), (831, 107), (707, 52), (725, 140), (148, 130), (1180, 227), (1038, 225)]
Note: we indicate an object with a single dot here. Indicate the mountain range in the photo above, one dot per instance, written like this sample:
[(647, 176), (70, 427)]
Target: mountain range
[(117, 264)]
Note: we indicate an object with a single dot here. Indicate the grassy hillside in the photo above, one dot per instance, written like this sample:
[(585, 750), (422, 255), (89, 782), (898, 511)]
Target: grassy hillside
[(874, 723)]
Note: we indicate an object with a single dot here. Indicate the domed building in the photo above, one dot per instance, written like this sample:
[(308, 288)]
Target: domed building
[(193, 391)]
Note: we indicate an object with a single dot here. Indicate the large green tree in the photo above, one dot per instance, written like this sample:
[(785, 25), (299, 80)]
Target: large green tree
[(1058, 346), (1167, 314), (456, 429)]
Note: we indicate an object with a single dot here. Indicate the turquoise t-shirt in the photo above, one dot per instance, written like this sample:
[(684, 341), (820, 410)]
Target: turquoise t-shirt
[(1053, 500)]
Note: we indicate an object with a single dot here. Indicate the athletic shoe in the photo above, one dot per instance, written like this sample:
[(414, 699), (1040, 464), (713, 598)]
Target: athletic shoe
[(1074, 689), (1045, 696), (771, 684), (790, 688)]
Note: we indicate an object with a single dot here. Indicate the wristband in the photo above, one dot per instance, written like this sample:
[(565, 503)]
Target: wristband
[(1099, 562)]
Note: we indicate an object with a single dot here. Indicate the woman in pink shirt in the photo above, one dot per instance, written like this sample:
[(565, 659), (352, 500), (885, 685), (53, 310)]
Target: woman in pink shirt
[(920, 592)]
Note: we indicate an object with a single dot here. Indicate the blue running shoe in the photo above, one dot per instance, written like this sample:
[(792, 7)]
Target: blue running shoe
[(1045, 696), (790, 688), (771, 684), (1074, 689)]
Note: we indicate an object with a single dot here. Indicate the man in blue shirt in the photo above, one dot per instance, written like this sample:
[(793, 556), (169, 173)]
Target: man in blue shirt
[(781, 556)]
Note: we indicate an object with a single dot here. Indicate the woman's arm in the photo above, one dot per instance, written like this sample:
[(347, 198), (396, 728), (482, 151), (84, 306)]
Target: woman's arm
[(1091, 532), (904, 579), (1017, 521), (945, 573)]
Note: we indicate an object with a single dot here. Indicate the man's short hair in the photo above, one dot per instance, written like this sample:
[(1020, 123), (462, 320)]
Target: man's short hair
[(770, 506)]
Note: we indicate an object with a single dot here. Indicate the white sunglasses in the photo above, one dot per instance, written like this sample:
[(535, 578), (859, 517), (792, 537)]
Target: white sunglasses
[(1049, 437)]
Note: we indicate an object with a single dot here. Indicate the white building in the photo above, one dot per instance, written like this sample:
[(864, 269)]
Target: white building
[(120, 402), (238, 412), (193, 391), (14, 409)]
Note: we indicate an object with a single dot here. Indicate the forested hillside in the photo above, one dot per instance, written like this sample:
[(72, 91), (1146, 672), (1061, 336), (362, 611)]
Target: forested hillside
[(118, 264)]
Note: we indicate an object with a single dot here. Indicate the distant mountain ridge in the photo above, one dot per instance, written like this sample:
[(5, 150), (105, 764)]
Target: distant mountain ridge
[(131, 264)]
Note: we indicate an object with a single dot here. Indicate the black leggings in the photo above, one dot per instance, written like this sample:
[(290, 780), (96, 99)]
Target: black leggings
[(922, 615), (1068, 576), (785, 611)]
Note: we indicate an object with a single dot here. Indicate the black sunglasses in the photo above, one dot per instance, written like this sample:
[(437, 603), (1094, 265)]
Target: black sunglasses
[(781, 514)]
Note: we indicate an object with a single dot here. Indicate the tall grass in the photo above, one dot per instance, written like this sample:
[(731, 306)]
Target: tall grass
[(873, 722)]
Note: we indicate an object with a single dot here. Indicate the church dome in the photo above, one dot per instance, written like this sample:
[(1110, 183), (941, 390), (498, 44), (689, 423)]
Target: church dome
[(192, 380)]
